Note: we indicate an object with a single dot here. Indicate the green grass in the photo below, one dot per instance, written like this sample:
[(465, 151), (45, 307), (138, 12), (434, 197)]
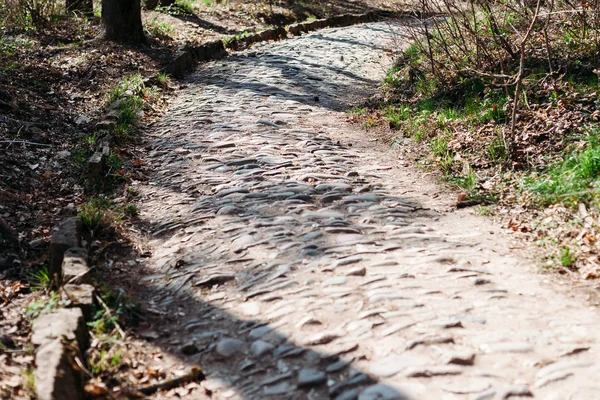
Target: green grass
[(44, 305), (576, 178), (129, 98), (29, 379), (567, 257), (40, 279), (158, 29), (93, 212), (358, 111), (162, 78)]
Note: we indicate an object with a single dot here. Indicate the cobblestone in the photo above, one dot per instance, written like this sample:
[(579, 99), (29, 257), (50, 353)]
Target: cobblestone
[(319, 248)]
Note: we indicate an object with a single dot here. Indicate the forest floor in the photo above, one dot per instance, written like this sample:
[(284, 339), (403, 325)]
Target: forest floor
[(56, 85)]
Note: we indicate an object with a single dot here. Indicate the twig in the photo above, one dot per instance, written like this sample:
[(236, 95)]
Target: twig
[(519, 80), (25, 142), (82, 367), (107, 310)]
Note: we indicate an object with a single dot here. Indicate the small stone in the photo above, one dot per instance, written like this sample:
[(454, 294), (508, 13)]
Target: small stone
[(230, 210), (279, 389), (288, 350), (382, 391), (462, 359), (324, 338), (358, 271), (228, 347), (428, 340), (335, 281), (81, 296), (311, 377), (338, 366), (259, 348), (189, 349), (511, 347), (426, 372), (393, 364), (349, 395)]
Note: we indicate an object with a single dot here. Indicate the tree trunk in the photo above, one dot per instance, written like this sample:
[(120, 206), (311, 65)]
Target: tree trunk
[(123, 20), (85, 7)]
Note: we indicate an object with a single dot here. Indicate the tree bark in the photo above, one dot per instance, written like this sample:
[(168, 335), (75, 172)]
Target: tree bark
[(85, 7), (123, 20)]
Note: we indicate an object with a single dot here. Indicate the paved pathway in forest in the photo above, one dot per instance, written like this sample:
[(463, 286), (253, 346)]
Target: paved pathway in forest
[(292, 257)]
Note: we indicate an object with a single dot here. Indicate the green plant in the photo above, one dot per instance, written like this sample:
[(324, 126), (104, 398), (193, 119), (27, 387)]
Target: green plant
[(159, 29), (467, 181), (358, 111), (43, 305), (91, 140), (497, 150), (93, 212), (162, 78), (567, 257), (40, 279), (574, 179), (29, 379)]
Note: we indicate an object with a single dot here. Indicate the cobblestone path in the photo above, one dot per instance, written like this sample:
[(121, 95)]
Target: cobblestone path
[(292, 257)]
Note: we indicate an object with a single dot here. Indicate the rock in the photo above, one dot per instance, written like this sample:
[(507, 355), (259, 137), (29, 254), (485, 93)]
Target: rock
[(426, 372), (338, 366), (511, 347), (428, 340), (63, 154), (504, 393), (335, 281), (214, 279), (229, 347), (59, 336), (279, 389), (95, 165), (65, 236), (82, 119), (381, 391), (393, 364), (63, 323), (55, 376), (349, 395), (189, 349), (308, 377), (75, 268), (242, 243), (288, 350), (324, 338), (6, 342), (260, 348), (462, 359), (230, 210), (82, 297), (358, 271)]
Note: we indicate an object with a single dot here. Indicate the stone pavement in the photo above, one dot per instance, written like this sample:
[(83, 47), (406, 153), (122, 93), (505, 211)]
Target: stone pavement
[(293, 258)]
